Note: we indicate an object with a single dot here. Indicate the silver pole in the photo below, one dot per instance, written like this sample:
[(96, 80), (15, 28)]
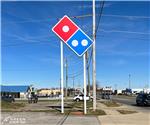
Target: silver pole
[(84, 80), (62, 77), (94, 60)]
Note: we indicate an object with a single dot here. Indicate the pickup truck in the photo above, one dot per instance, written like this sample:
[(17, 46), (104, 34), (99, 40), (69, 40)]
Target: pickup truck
[(81, 98)]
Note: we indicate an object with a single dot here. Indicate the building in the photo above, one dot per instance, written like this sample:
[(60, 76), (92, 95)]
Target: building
[(107, 90), (48, 92), (139, 90), (117, 92), (17, 91), (132, 91)]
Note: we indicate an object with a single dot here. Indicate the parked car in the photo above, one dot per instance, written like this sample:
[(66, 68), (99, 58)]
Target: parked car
[(143, 99), (8, 98), (80, 97)]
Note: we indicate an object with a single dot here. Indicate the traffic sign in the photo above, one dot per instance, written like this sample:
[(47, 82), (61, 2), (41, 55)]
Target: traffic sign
[(72, 35)]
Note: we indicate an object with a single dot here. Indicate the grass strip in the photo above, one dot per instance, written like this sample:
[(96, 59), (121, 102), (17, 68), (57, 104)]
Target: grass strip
[(126, 111), (111, 103)]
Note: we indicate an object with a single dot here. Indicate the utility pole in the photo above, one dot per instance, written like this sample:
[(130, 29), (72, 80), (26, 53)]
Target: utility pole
[(94, 59), (115, 85), (129, 81), (60, 85), (88, 72), (73, 86), (66, 90)]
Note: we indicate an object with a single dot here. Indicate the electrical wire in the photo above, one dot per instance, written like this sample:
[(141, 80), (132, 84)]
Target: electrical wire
[(123, 31), (100, 15)]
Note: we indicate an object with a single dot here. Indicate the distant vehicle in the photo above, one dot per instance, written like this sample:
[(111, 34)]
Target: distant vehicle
[(143, 99), (81, 98), (127, 91), (8, 98), (105, 96), (32, 98), (35, 98)]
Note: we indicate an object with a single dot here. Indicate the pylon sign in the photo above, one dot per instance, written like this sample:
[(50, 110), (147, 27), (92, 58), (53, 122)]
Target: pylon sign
[(72, 35)]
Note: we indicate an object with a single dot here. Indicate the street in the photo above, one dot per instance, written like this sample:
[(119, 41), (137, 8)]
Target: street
[(131, 101)]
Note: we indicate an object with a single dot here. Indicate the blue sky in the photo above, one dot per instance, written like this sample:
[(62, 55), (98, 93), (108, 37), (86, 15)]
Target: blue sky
[(31, 51)]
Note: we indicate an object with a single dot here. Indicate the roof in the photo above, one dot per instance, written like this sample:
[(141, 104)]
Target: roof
[(10, 88)]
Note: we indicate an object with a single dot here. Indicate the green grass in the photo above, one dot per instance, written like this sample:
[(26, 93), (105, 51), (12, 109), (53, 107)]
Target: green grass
[(126, 111), (8, 105), (111, 103), (38, 101), (78, 107), (126, 96), (97, 112), (81, 104), (71, 108)]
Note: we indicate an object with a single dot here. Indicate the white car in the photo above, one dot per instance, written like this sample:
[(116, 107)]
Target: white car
[(81, 97)]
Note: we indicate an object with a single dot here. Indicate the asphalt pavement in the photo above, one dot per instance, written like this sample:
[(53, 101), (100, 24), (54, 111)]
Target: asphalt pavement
[(131, 101)]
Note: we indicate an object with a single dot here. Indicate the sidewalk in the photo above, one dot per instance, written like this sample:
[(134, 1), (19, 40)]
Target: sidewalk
[(128, 119), (113, 117)]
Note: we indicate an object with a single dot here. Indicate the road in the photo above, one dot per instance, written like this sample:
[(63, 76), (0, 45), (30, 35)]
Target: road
[(131, 101)]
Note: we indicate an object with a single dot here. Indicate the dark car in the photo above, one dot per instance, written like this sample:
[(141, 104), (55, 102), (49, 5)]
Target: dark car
[(8, 98), (33, 98), (143, 99)]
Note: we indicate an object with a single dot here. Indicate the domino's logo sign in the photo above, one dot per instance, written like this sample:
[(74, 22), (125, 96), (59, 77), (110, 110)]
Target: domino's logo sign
[(72, 35)]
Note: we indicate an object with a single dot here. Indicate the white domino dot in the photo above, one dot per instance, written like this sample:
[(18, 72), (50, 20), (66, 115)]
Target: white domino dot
[(74, 43), (65, 28), (84, 42)]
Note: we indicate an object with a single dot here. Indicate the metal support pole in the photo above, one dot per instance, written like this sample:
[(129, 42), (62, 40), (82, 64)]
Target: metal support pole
[(66, 91), (94, 60), (73, 87), (88, 72), (84, 80), (62, 77)]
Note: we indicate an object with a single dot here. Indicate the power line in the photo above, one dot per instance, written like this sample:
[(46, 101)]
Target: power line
[(111, 15), (102, 30), (124, 37), (100, 15), (81, 68), (83, 16), (124, 31), (126, 16), (76, 75)]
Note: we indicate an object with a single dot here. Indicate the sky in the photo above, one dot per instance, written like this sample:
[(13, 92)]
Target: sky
[(31, 51)]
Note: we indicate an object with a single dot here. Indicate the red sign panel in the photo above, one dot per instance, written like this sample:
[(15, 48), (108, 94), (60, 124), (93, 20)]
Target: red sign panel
[(65, 28)]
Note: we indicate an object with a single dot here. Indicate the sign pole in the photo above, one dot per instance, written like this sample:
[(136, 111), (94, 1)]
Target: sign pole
[(84, 80), (62, 77), (78, 41), (94, 60)]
